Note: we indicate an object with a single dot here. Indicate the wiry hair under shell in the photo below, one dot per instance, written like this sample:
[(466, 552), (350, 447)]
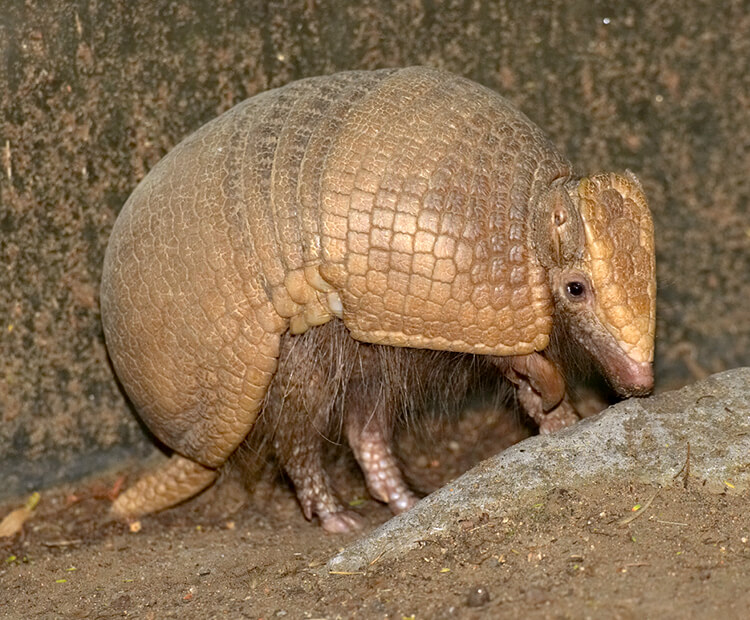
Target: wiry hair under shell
[(323, 372)]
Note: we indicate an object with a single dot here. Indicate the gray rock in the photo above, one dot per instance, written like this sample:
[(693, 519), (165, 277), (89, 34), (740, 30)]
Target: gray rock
[(643, 440)]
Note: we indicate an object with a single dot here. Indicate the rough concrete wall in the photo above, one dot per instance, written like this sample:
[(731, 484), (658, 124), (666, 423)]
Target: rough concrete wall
[(93, 93)]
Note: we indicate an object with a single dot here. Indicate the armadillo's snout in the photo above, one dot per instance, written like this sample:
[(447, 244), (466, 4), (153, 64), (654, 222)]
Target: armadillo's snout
[(634, 378)]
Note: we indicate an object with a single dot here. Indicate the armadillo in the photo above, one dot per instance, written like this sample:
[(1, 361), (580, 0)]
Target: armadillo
[(416, 208)]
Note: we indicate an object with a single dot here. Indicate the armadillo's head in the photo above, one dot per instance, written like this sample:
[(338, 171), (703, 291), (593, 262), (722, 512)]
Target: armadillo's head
[(595, 236)]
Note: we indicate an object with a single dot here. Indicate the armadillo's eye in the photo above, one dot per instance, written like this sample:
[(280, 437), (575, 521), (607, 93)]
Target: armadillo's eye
[(575, 289), (560, 217)]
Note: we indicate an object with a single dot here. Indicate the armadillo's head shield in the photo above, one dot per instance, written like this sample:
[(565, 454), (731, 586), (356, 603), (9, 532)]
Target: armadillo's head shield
[(620, 252), (595, 236)]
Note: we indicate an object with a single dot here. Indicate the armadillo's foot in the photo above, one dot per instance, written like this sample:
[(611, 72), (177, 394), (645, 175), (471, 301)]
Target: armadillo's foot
[(541, 376), (540, 391), (382, 474), (177, 480), (560, 416), (340, 522), (316, 497)]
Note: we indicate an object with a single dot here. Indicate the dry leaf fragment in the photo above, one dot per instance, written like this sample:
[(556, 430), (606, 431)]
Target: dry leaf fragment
[(13, 522)]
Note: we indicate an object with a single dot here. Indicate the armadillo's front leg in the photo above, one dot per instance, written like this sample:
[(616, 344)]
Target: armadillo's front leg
[(541, 392), (561, 415)]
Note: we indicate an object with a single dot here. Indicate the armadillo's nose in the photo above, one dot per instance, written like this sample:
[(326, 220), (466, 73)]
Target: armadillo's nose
[(634, 378)]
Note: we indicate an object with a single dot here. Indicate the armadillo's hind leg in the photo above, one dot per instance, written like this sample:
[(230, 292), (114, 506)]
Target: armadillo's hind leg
[(302, 462), (177, 480), (299, 406)]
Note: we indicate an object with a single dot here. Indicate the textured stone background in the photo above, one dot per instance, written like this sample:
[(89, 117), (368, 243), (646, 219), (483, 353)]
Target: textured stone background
[(93, 93)]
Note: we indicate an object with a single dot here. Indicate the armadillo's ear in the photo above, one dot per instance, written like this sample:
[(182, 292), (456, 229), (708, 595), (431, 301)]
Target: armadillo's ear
[(557, 229)]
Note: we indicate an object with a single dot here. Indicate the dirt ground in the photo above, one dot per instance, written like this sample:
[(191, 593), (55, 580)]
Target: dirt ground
[(580, 553)]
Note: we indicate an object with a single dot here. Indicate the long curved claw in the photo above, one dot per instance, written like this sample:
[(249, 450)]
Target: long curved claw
[(543, 376)]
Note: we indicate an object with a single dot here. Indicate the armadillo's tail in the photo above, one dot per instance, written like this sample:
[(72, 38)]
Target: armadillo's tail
[(177, 480)]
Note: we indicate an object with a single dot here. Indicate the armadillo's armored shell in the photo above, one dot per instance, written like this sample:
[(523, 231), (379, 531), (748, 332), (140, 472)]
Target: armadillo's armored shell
[(398, 200)]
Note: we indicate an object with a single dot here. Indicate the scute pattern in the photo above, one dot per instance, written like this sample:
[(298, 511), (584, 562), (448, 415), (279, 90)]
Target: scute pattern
[(620, 246), (424, 207), (397, 200)]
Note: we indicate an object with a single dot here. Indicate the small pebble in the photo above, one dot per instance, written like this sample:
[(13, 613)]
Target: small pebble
[(478, 596)]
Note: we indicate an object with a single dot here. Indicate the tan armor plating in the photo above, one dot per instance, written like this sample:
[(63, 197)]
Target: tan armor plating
[(402, 201)]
